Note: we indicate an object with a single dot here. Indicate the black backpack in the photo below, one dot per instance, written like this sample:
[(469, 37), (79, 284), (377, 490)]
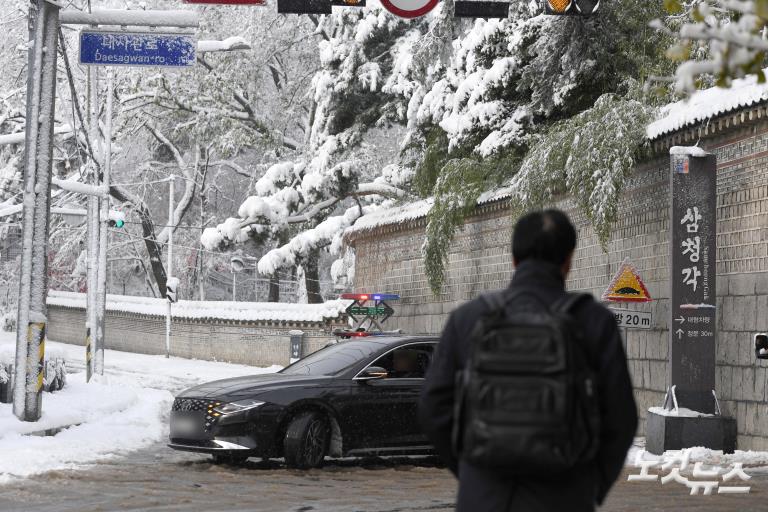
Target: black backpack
[(526, 401)]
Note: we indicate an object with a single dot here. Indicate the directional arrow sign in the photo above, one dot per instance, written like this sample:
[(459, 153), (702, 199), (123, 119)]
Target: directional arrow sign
[(681, 320), (679, 333)]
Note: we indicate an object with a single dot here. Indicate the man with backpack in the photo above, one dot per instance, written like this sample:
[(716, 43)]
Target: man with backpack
[(528, 398)]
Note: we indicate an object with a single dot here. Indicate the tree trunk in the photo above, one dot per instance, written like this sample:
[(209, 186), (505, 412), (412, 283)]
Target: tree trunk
[(312, 278)]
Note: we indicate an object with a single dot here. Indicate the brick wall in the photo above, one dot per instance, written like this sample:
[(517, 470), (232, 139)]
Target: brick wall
[(258, 344), (388, 259)]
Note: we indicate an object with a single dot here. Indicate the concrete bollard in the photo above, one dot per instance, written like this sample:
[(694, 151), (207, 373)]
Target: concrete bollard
[(297, 346)]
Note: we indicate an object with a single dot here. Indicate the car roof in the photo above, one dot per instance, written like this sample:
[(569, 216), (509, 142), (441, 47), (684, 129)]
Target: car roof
[(397, 340)]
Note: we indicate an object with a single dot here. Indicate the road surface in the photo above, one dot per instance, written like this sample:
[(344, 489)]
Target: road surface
[(159, 479)]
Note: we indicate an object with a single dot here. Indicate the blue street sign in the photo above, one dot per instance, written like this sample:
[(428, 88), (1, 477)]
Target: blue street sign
[(100, 48)]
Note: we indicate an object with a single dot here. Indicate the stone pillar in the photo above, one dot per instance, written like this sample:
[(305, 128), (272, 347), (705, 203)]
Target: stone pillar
[(691, 415)]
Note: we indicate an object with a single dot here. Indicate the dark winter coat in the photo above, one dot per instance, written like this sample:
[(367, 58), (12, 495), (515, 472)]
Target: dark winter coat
[(584, 486)]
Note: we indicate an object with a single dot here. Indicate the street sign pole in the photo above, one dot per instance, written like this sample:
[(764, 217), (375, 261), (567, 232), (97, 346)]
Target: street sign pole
[(33, 279), (101, 287), (94, 206)]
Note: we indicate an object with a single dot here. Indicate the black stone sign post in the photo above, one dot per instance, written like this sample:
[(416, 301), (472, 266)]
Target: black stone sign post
[(691, 415)]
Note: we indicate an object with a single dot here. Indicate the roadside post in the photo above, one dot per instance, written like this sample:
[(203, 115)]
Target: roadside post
[(297, 345), (693, 308), (171, 283)]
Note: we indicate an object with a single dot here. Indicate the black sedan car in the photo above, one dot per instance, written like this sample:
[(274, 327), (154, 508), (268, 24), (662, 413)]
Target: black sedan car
[(351, 398)]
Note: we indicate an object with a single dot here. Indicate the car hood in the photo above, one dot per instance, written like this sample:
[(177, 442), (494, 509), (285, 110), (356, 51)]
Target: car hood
[(250, 386)]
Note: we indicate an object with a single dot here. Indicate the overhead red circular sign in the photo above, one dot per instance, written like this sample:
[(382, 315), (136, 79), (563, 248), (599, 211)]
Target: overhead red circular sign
[(409, 8)]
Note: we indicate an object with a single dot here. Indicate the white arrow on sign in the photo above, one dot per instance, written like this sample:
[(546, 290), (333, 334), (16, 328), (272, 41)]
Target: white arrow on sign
[(681, 320), (409, 8), (679, 333)]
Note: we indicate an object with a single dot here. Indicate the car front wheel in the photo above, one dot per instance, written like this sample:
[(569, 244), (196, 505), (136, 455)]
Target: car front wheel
[(306, 440)]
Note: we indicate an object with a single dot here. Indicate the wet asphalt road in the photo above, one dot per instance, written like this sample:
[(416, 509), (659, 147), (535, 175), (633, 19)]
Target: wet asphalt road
[(160, 479)]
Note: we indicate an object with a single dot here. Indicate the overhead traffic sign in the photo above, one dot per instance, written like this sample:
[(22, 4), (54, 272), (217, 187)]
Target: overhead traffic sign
[(147, 49), (626, 286), (409, 8)]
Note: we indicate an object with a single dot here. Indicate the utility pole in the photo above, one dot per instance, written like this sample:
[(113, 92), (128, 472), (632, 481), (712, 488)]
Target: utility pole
[(94, 206), (33, 279), (101, 286)]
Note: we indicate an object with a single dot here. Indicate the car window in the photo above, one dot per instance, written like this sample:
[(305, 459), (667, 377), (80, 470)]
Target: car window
[(407, 362), (333, 359)]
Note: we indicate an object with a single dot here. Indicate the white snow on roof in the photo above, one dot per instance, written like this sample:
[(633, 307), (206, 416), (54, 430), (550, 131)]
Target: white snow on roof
[(222, 310), (706, 104), (687, 150), (396, 215)]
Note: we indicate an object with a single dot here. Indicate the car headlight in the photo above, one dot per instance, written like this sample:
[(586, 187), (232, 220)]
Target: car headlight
[(239, 406)]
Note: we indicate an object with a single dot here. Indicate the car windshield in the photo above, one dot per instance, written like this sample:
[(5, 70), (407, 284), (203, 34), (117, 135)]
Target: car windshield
[(333, 359)]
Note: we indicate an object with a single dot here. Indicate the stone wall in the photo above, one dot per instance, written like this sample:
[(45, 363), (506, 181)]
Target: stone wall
[(252, 343), (388, 259)]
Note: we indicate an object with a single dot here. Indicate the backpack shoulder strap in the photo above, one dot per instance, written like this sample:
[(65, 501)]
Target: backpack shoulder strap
[(568, 302)]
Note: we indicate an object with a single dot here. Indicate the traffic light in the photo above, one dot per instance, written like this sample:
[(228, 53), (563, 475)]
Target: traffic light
[(480, 9), (571, 7), (116, 219), (304, 6), (171, 289)]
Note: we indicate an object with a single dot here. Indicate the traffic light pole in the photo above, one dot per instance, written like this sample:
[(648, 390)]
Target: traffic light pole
[(33, 278), (101, 287)]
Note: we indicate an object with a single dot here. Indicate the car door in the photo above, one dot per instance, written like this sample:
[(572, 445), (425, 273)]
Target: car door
[(383, 413)]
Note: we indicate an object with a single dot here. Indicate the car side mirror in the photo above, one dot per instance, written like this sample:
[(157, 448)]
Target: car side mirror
[(372, 373)]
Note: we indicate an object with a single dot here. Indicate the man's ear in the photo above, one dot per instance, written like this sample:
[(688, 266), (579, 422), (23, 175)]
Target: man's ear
[(565, 268)]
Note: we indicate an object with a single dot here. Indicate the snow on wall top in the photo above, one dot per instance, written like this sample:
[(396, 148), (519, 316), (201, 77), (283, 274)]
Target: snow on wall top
[(706, 104), (413, 211), (221, 310), (701, 106)]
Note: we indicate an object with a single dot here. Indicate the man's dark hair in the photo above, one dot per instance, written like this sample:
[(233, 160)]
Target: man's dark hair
[(546, 235)]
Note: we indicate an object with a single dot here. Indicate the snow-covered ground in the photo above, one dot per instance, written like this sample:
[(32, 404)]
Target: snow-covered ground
[(125, 409)]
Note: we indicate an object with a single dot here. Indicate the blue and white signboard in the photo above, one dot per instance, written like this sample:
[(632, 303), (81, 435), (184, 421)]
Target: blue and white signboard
[(101, 48)]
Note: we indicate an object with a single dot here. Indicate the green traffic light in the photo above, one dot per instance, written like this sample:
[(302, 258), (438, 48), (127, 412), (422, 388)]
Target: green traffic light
[(119, 223)]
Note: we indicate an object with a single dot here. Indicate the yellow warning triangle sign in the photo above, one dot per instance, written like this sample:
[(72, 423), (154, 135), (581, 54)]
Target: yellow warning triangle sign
[(626, 286)]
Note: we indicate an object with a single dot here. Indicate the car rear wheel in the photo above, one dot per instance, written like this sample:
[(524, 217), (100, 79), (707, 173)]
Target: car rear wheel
[(306, 440)]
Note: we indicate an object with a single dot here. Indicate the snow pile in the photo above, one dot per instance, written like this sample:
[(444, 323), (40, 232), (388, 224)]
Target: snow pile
[(706, 104), (223, 310), (680, 412), (124, 410)]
